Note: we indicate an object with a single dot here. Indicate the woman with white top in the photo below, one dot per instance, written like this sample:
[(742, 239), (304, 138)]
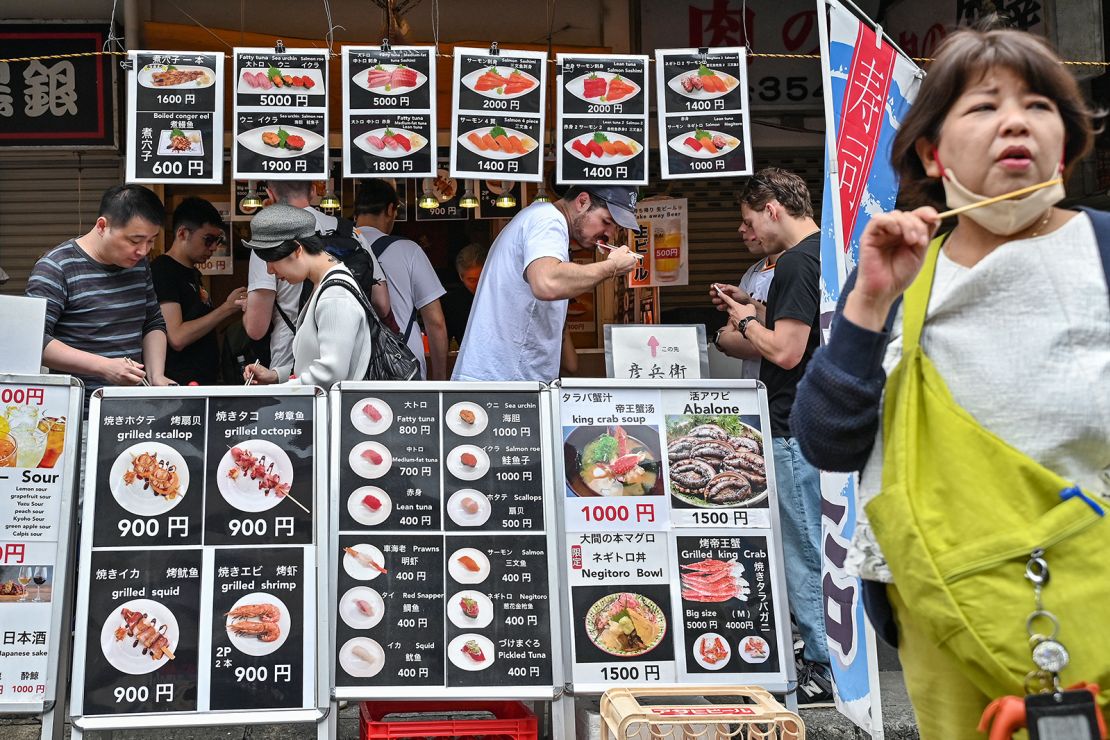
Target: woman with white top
[(332, 342)]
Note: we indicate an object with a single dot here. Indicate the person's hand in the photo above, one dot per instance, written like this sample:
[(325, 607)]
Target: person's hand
[(623, 260), (891, 251), (737, 310), (738, 295), (122, 371), (261, 375), (236, 301)]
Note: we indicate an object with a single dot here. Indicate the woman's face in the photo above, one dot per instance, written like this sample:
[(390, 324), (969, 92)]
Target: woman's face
[(291, 268), (998, 136)]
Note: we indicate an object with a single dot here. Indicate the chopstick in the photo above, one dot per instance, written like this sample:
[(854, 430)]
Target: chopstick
[(132, 363), (1004, 196), (250, 375), (603, 245)]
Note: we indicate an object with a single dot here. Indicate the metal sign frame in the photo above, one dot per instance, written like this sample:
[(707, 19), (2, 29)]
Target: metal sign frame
[(82, 723), (61, 614), (779, 594), (551, 524)]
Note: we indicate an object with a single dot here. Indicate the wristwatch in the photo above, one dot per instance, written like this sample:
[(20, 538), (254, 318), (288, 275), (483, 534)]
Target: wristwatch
[(742, 325), (717, 336)]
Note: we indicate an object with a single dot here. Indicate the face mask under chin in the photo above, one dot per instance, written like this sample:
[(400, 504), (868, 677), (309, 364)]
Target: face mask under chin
[(1006, 217)]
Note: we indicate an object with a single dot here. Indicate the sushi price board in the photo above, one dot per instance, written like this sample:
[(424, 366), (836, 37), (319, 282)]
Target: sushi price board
[(704, 124), (198, 594), (497, 116), (444, 542), (670, 552), (175, 117), (281, 114), (389, 111), (602, 120), (38, 469)]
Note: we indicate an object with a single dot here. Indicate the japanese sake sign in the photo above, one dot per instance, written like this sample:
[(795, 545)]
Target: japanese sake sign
[(175, 122), (389, 111)]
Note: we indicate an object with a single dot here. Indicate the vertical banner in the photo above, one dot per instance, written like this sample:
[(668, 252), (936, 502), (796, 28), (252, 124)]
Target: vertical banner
[(497, 115), (667, 260), (602, 120), (869, 87), (704, 122), (281, 114), (175, 117), (389, 111)]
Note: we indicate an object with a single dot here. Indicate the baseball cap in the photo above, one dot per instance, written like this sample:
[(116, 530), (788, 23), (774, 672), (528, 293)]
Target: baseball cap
[(621, 201), (277, 224)]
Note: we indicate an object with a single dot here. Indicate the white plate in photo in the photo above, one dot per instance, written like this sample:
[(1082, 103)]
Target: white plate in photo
[(678, 143), (466, 472), (355, 569), (462, 572), (675, 84), (123, 654), (364, 411), (242, 491), (137, 496), (458, 513), (585, 139), (259, 638), (366, 662), (471, 80), (712, 643), (528, 143), (459, 617), (362, 79), (253, 140), (364, 142), (353, 615), (196, 144), (364, 464), (207, 78), (460, 427), (463, 660), (317, 88), (442, 186), (577, 88), (361, 512), (754, 649)]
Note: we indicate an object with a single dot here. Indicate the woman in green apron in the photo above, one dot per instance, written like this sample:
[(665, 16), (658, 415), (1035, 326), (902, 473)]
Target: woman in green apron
[(967, 377)]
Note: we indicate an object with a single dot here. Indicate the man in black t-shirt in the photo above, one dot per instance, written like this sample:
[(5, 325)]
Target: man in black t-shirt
[(191, 321), (776, 210)]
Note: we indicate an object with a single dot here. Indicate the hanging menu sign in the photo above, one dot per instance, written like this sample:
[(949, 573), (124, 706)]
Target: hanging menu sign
[(281, 114), (175, 117), (491, 191), (37, 469), (448, 192), (389, 111), (602, 117), (198, 590), (497, 116), (444, 541), (704, 128), (672, 561)]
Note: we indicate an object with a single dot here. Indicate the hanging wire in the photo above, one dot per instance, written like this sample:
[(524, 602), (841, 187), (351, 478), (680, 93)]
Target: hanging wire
[(330, 36), (435, 26), (113, 42), (211, 33)]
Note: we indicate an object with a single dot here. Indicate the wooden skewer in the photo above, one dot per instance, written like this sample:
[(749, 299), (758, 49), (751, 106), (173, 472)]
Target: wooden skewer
[(1004, 196), (298, 503), (250, 375)]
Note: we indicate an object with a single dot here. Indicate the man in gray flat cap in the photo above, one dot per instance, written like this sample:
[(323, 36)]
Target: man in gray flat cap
[(515, 331)]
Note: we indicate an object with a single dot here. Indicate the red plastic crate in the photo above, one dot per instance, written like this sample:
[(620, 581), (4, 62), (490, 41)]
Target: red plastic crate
[(511, 721)]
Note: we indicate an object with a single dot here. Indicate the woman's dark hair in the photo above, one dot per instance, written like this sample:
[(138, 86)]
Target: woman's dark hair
[(962, 60), (312, 244), (122, 203), (774, 183)]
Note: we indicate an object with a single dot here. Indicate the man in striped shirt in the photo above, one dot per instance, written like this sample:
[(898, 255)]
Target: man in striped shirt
[(103, 323)]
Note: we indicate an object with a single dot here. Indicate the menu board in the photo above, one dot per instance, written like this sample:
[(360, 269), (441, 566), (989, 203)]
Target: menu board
[(389, 111), (673, 566), (198, 590), (602, 117), (37, 469), (281, 114), (448, 191), (443, 541), (497, 116), (664, 226), (490, 190), (704, 128), (175, 117)]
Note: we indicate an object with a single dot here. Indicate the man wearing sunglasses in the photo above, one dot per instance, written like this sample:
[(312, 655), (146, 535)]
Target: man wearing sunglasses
[(191, 320)]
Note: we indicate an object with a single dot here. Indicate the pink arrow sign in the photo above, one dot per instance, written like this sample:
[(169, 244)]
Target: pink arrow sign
[(653, 343)]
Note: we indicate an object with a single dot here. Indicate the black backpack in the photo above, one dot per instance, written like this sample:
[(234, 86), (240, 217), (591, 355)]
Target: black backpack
[(391, 358)]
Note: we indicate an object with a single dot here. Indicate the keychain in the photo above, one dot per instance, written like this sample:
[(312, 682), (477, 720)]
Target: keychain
[(1049, 712)]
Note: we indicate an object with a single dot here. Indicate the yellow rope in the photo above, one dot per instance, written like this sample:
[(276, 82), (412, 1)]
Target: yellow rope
[(754, 55)]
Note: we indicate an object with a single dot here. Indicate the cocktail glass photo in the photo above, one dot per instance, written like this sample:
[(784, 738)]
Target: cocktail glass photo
[(39, 577), (24, 578)]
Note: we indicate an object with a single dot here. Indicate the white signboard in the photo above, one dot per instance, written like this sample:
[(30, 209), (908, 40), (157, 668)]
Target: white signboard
[(655, 352), (21, 332), (668, 246)]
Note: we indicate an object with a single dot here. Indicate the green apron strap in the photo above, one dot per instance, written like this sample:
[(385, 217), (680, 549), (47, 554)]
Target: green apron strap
[(915, 301)]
